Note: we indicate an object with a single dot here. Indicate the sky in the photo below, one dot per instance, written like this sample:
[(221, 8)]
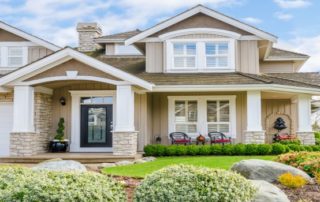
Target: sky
[(295, 22)]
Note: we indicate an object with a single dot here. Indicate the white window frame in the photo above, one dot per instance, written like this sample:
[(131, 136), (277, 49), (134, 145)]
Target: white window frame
[(4, 54), (202, 124), (200, 55)]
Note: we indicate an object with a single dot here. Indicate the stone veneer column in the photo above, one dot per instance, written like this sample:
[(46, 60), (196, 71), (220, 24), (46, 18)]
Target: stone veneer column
[(304, 132), (254, 133), (31, 143), (124, 140)]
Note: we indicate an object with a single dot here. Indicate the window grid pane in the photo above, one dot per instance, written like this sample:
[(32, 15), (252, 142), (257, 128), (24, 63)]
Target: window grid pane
[(186, 116), (184, 55), (217, 54), (15, 56), (218, 116)]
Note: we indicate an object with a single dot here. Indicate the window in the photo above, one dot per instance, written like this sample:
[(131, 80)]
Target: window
[(126, 50), (184, 55), (186, 116), (218, 116), (15, 56), (217, 54), (96, 100), (196, 115), (200, 55)]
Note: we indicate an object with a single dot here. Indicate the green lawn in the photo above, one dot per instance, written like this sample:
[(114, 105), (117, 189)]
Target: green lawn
[(140, 170)]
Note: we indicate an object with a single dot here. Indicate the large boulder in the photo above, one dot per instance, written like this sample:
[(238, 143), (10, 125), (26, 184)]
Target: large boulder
[(268, 192), (255, 169), (63, 165)]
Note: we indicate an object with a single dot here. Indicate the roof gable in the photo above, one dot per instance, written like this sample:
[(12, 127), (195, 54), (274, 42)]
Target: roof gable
[(19, 34), (206, 11)]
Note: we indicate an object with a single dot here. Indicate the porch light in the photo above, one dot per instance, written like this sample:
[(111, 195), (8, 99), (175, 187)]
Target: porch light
[(158, 140), (62, 101)]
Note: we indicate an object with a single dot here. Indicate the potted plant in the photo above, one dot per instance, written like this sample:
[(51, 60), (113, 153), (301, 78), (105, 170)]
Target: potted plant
[(59, 144)]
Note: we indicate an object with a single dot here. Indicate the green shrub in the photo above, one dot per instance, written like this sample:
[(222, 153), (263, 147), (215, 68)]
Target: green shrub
[(286, 142), (251, 149), (193, 150), (204, 150), (228, 149), (170, 150), (181, 150), (317, 137), (23, 184), (278, 148), (216, 149), (264, 149), (150, 150), (189, 183), (239, 149)]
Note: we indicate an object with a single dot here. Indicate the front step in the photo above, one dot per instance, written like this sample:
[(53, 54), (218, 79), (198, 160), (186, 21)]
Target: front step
[(86, 158)]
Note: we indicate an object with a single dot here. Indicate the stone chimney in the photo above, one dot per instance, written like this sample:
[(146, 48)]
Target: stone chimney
[(87, 33)]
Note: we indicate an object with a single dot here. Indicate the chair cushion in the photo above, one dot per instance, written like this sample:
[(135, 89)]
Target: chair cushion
[(221, 141), (181, 141)]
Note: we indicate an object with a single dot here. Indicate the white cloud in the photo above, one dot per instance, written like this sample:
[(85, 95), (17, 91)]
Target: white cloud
[(252, 20), (55, 20), (287, 4), (306, 45), (283, 16)]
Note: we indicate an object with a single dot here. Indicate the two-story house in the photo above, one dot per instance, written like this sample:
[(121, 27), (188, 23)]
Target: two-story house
[(197, 72)]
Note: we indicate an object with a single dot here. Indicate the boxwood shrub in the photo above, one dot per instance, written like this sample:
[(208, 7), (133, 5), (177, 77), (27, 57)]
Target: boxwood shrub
[(23, 184), (189, 183), (233, 149)]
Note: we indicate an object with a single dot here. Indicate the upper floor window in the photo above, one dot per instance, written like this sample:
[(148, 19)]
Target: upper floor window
[(203, 55), (13, 56)]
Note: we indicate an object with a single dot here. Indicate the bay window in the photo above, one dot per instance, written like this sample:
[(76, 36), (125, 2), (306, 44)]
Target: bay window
[(200, 55), (196, 115)]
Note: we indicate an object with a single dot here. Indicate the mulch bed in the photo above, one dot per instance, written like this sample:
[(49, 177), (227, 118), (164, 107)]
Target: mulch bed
[(130, 184), (308, 193)]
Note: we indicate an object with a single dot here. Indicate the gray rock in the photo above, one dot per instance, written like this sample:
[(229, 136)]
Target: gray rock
[(268, 192), (106, 165), (124, 163), (138, 161), (63, 165), (149, 158), (255, 169)]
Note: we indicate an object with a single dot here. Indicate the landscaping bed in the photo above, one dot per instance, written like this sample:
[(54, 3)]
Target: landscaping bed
[(308, 193)]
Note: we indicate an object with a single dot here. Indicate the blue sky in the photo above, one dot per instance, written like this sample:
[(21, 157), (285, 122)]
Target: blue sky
[(295, 22)]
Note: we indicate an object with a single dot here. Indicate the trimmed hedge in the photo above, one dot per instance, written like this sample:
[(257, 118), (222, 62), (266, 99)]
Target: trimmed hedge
[(190, 183), (230, 149)]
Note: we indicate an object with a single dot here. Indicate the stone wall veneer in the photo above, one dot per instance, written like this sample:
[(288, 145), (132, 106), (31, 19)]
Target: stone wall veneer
[(27, 144), (254, 137), (125, 143), (306, 138)]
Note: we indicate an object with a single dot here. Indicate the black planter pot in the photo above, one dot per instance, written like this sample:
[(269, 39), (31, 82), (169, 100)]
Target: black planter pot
[(58, 146)]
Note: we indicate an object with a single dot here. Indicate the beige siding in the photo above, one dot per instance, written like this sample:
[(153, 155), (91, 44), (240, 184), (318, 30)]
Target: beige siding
[(65, 111), (37, 52), (110, 49), (277, 67), (7, 36), (141, 120), (247, 57), (159, 111), (271, 110), (154, 57)]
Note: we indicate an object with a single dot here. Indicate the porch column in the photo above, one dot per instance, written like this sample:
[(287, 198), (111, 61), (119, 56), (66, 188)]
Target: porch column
[(23, 134), (124, 134), (254, 133), (304, 132)]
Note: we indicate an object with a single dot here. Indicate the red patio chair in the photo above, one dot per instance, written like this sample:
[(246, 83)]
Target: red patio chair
[(180, 138), (219, 138)]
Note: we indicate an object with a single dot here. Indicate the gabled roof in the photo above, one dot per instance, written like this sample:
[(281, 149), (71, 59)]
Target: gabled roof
[(118, 37), (28, 36), (67, 54), (201, 9), (280, 54)]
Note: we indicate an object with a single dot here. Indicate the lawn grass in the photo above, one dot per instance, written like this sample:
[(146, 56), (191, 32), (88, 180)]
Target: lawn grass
[(140, 170)]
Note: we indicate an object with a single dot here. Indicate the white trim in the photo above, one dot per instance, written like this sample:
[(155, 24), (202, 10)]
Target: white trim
[(240, 87), (75, 119), (304, 113), (286, 59), (206, 11), (202, 127), (189, 31), (17, 43), (28, 36), (254, 111), (68, 54), (200, 56), (68, 78)]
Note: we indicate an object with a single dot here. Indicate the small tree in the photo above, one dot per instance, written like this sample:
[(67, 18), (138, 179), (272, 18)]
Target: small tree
[(60, 130)]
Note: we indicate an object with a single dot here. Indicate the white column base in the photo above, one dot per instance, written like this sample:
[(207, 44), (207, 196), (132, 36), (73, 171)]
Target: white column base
[(306, 138), (254, 137), (125, 143)]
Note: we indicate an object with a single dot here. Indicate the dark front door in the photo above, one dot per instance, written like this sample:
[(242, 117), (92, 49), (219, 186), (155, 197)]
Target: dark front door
[(96, 126)]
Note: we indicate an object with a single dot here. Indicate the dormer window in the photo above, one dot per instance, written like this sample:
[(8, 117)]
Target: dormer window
[(203, 55), (12, 56)]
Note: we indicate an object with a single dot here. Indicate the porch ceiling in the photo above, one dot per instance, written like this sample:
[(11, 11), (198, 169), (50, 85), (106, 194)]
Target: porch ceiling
[(80, 84), (276, 95)]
